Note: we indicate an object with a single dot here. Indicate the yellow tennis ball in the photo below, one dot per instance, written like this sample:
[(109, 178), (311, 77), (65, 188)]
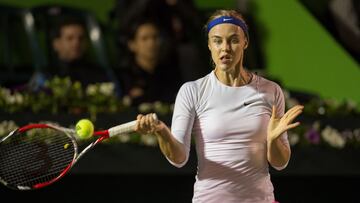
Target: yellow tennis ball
[(84, 128)]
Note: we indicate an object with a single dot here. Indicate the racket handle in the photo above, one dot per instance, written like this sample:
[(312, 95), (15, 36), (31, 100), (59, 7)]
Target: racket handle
[(126, 127)]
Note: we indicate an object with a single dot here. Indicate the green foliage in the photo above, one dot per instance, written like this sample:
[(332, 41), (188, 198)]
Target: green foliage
[(64, 95)]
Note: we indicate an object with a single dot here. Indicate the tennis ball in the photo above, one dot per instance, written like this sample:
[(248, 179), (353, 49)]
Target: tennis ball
[(84, 128), (66, 145)]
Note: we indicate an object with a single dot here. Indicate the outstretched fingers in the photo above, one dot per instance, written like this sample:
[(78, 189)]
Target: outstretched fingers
[(292, 110), (293, 125), (293, 113)]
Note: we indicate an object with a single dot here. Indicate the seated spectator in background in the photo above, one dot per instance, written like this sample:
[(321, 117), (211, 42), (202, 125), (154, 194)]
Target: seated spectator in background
[(150, 76), (69, 46), (172, 15), (180, 23)]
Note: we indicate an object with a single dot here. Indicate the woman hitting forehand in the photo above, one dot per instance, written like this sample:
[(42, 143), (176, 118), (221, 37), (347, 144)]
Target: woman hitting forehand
[(237, 120)]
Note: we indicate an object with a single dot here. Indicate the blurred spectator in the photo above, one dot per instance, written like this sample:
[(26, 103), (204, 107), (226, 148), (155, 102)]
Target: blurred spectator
[(180, 30), (68, 42), (149, 77), (69, 45)]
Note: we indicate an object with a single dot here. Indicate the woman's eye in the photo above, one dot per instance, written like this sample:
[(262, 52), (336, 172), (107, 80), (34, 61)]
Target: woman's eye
[(234, 40), (217, 41)]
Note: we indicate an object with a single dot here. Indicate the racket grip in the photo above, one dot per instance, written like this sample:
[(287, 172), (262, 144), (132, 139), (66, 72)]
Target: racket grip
[(125, 128)]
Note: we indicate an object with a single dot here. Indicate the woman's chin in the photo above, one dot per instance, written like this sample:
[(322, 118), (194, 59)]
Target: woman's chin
[(225, 67)]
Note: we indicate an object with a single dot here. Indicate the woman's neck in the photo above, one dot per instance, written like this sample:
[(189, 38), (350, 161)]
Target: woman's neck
[(147, 65), (236, 78)]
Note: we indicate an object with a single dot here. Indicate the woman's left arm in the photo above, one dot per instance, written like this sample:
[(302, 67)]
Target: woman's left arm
[(278, 153)]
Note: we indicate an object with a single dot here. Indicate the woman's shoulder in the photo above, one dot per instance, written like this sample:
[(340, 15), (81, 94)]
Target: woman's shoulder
[(198, 83), (268, 83)]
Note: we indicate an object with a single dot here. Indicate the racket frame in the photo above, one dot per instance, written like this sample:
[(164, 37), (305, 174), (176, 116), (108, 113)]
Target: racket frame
[(70, 133)]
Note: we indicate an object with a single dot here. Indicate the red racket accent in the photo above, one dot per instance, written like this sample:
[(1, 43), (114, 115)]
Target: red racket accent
[(102, 133), (40, 185), (32, 126), (40, 159)]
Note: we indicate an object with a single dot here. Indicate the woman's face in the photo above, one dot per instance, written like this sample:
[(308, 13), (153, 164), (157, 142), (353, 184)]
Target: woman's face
[(146, 43), (226, 44)]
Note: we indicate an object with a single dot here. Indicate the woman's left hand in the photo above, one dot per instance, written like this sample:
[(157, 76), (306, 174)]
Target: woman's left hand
[(278, 126)]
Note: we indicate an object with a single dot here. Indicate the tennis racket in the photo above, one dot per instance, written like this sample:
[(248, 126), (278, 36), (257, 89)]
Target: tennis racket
[(36, 155)]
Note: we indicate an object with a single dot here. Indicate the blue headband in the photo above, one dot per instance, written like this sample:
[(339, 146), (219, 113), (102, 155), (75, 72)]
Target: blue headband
[(228, 19)]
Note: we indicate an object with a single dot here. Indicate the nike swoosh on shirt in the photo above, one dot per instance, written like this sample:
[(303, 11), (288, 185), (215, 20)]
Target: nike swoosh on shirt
[(247, 103)]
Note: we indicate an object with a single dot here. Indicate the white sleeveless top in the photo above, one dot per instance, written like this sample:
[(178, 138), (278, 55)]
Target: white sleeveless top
[(229, 127)]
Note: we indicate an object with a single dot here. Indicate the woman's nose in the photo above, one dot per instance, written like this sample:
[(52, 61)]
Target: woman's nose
[(225, 46)]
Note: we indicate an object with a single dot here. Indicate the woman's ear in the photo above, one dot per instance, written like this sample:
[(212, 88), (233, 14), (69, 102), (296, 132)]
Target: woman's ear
[(246, 44)]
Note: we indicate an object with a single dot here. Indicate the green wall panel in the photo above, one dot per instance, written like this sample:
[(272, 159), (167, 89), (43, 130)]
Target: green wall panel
[(303, 55)]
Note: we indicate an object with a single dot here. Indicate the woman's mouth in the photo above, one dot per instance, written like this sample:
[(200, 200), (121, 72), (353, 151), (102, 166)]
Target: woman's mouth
[(225, 59)]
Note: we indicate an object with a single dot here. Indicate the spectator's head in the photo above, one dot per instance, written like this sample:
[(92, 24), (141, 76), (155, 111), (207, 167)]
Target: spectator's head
[(144, 41), (69, 39)]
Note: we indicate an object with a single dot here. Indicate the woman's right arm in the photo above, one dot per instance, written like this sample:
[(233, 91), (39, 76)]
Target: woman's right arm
[(169, 146)]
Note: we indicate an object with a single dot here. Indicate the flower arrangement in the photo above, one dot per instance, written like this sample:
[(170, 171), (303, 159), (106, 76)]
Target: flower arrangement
[(64, 95), (324, 136)]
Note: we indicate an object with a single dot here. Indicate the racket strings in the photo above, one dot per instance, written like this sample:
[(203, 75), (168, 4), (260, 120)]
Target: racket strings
[(27, 159)]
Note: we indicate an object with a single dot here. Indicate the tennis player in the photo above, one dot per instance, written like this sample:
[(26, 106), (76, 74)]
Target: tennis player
[(237, 120)]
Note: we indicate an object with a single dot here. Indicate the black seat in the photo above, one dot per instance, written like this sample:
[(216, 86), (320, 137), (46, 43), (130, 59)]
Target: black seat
[(20, 53)]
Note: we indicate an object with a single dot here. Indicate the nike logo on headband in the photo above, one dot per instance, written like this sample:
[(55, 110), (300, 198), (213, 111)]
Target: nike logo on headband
[(226, 19)]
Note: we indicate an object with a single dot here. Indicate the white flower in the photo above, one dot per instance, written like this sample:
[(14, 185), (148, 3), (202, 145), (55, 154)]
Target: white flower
[(351, 104), (15, 98), (158, 105), (127, 101), (19, 98), (107, 88), (91, 90), (10, 125), (5, 92), (149, 140), (50, 123), (145, 107), (124, 138), (332, 102), (333, 137), (321, 110), (10, 99), (160, 108), (294, 138), (2, 129)]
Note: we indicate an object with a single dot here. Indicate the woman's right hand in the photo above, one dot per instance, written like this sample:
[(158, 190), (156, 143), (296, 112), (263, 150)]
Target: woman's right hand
[(170, 147), (148, 124)]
